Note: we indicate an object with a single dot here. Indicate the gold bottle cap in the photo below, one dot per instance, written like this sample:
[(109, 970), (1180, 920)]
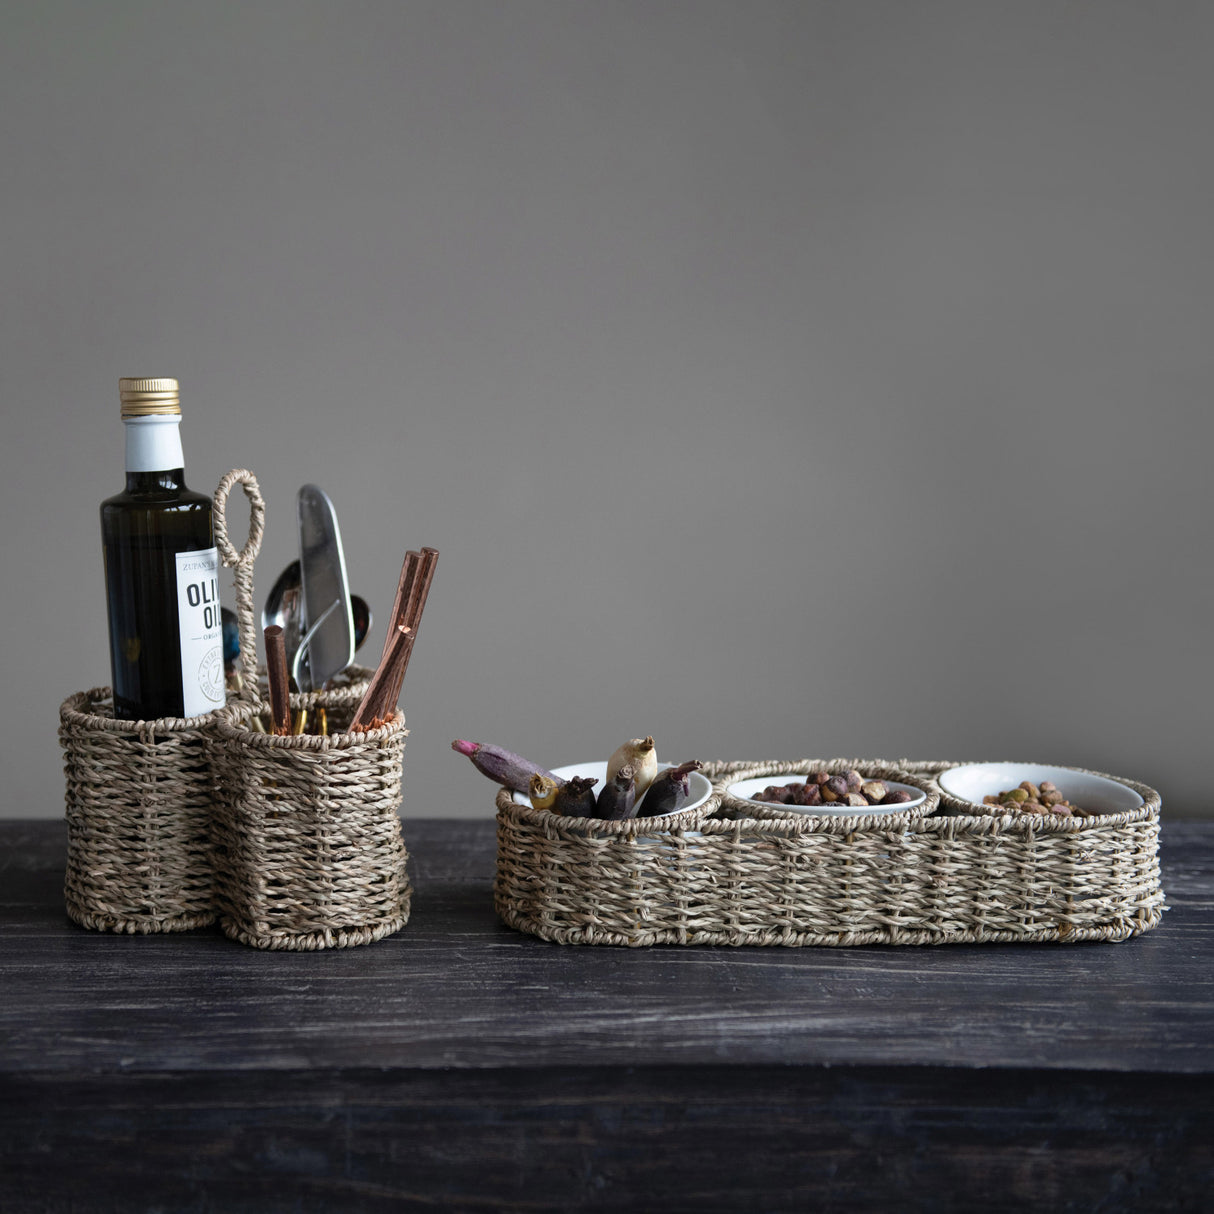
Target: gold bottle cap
[(148, 397)]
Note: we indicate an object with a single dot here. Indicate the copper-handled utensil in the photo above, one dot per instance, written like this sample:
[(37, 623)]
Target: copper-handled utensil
[(412, 590), (396, 636), (419, 593), (375, 704), (404, 587), (276, 669)]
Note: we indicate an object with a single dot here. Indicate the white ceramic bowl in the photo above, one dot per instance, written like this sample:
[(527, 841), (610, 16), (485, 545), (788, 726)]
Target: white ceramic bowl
[(1097, 794), (745, 790), (699, 786)]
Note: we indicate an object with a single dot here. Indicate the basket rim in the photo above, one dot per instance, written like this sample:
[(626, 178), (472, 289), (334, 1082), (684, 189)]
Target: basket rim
[(73, 711), (225, 724)]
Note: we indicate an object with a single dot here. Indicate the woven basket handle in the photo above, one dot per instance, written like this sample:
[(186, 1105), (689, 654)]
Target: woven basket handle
[(242, 563)]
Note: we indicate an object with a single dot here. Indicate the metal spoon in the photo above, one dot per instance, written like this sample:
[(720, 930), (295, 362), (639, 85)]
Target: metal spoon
[(284, 607)]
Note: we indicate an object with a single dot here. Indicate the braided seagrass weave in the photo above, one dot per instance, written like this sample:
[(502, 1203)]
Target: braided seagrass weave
[(964, 876), (309, 847), (138, 810), (139, 795), (742, 873)]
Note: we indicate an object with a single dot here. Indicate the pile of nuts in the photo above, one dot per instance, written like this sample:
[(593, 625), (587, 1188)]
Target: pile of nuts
[(1043, 798), (822, 788)]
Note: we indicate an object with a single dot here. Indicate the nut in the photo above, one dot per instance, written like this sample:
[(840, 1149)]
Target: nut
[(835, 789), (822, 788), (800, 793), (1042, 799)]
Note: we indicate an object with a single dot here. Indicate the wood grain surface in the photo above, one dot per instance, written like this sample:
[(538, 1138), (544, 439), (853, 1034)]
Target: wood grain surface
[(461, 1065)]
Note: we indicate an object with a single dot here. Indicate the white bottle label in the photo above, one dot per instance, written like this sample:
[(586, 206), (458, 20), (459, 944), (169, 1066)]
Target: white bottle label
[(201, 627)]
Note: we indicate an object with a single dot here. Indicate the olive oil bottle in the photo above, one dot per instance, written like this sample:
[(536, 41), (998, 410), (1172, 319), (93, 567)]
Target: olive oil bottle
[(161, 569)]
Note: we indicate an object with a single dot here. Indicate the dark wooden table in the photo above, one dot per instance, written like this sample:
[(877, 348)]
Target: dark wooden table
[(461, 1065)]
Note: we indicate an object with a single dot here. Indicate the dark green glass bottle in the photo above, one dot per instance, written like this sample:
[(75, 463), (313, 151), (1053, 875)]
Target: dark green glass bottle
[(161, 570)]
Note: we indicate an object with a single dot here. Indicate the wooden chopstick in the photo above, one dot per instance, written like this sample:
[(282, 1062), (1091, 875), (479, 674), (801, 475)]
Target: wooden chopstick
[(276, 669)]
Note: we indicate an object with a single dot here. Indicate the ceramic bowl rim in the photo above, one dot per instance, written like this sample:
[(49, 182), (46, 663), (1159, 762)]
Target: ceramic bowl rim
[(1035, 773), (828, 810)]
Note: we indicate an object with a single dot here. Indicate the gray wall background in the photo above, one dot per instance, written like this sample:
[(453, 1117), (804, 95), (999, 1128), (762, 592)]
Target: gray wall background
[(778, 379)]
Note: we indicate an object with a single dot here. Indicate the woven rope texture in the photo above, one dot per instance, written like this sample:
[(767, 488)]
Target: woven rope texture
[(309, 847), (138, 804), (748, 874)]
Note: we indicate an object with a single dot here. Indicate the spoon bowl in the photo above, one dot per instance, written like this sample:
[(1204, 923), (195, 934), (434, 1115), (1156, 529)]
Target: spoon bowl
[(284, 607)]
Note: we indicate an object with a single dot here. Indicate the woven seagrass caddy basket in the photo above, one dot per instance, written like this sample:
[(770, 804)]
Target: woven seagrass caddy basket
[(733, 872), (310, 852), (308, 849), (139, 794)]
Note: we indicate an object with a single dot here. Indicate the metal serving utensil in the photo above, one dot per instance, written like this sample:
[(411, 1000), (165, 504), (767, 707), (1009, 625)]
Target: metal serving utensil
[(284, 607), (327, 645)]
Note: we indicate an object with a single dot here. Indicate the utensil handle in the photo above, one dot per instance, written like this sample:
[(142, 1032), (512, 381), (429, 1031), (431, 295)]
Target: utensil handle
[(242, 565), (276, 671)]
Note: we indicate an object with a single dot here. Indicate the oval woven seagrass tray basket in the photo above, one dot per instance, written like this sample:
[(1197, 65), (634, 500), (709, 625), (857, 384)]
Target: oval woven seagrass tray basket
[(738, 873)]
